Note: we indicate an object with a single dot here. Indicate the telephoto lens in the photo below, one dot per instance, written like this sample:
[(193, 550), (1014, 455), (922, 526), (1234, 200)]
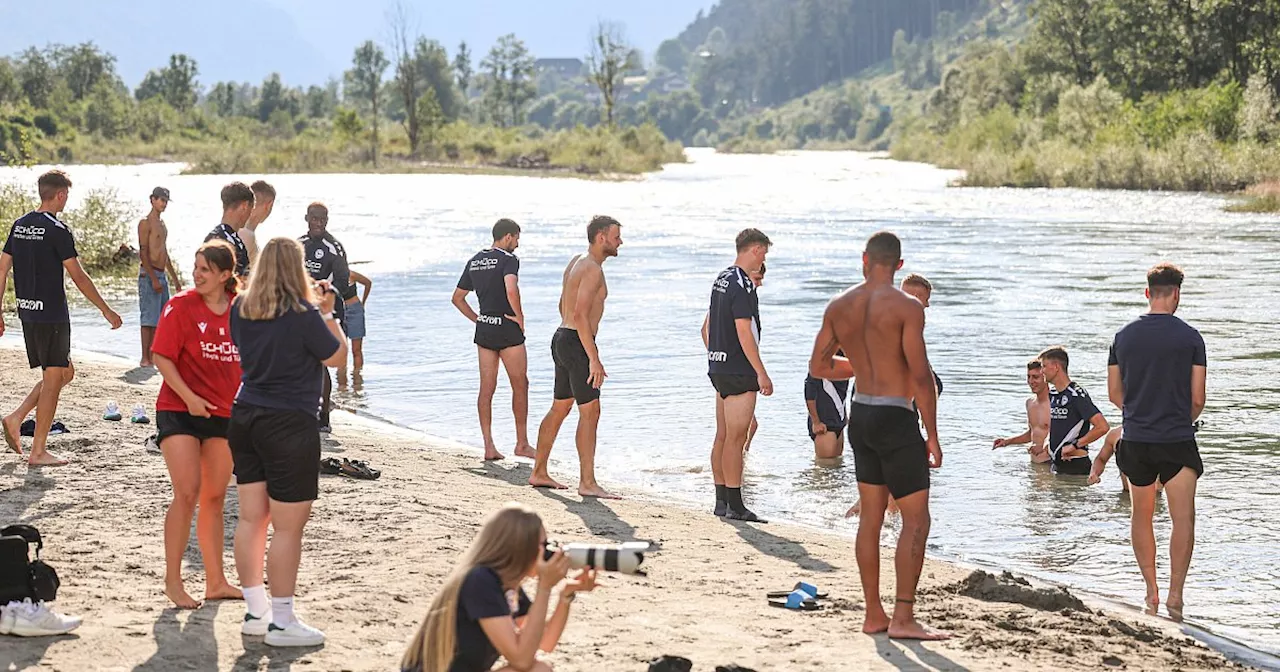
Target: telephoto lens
[(624, 558)]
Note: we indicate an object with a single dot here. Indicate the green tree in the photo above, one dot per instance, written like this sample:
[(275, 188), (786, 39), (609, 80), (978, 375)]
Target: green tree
[(272, 97), (83, 66), (36, 77), (107, 111), (175, 83), (673, 56), (431, 115), (222, 99), (462, 71), (364, 82), (10, 90), (509, 74), (607, 62), (320, 101), (347, 124)]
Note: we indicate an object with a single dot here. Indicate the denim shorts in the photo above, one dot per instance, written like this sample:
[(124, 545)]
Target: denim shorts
[(354, 320), (150, 302)]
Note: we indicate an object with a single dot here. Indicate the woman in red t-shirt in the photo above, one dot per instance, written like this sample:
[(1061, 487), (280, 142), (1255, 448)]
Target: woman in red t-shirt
[(201, 369)]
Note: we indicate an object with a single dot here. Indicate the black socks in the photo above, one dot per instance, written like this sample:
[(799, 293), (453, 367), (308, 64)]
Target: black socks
[(722, 505), (737, 509)]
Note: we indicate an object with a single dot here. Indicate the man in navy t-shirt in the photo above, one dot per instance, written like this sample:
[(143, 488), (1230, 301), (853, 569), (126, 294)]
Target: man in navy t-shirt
[(237, 206), (39, 248), (735, 368), (326, 259), (1074, 421), (494, 275), (1156, 375)]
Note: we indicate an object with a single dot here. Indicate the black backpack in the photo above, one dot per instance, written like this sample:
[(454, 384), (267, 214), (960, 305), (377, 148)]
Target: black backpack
[(21, 577)]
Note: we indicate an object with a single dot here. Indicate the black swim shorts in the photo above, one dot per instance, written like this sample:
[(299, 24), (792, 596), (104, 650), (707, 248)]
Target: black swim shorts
[(177, 423), (732, 384), (1142, 463), (48, 345), (573, 368), (277, 446), (888, 448), (497, 333)]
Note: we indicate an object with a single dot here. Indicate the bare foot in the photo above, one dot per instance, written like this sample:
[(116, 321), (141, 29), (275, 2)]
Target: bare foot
[(46, 459), (597, 491), (12, 436), (493, 456), (875, 624), (1174, 604), (855, 510), (223, 592), (526, 450), (1153, 600), (178, 595), (914, 630), (144, 364), (546, 482)]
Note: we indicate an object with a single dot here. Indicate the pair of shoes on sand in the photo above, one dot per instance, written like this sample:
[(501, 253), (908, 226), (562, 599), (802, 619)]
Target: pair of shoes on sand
[(352, 468), (139, 416), (678, 664)]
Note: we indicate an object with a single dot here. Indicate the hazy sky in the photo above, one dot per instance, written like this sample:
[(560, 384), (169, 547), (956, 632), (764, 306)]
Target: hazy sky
[(308, 40)]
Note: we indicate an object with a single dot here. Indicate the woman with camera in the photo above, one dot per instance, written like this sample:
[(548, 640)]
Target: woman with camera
[(201, 370), (481, 612), (287, 335)]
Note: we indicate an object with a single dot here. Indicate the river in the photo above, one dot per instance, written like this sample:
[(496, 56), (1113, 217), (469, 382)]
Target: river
[(1014, 271)]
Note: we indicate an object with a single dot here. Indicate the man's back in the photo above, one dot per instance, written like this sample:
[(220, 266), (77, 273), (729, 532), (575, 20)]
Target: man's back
[(581, 267), (1156, 353), (868, 322), (39, 244), (486, 274)]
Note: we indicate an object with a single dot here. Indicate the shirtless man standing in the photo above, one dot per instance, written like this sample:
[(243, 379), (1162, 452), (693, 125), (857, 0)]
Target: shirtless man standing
[(579, 373), (881, 329), (264, 201), (1037, 433), (154, 265)]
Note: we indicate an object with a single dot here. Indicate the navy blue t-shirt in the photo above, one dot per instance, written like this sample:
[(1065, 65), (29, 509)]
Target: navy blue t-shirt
[(326, 259), (1069, 414), (282, 359), (486, 275), (39, 243), (829, 395), (482, 596), (733, 298), (1155, 354), (225, 232)]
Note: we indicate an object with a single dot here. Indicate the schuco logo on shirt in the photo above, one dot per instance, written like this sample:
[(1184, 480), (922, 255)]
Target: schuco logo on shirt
[(29, 232), (223, 352)]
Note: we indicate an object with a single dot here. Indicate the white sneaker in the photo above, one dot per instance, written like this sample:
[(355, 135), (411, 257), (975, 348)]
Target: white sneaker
[(6, 618), (37, 620), (140, 416), (296, 633), (112, 413), (255, 626), (153, 446)]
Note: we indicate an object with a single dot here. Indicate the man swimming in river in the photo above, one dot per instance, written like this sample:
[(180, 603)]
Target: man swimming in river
[(579, 371), (881, 328), (1037, 434)]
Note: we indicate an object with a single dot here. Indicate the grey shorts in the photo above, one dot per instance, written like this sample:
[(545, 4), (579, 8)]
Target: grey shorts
[(151, 302)]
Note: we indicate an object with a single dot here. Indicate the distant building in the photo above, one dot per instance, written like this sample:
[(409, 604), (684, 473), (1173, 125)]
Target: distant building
[(567, 67)]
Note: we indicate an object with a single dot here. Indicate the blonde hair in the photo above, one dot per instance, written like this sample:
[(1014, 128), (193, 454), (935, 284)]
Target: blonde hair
[(280, 283), (507, 544)]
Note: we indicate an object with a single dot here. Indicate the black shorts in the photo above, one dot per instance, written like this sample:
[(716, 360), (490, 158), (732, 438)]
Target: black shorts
[(498, 333), (888, 448), (48, 345), (573, 368), (177, 423), (277, 446), (1080, 466), (834, 424), (732, 384), (1142, 463)]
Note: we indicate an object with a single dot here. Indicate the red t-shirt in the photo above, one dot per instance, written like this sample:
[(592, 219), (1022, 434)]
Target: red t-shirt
[(199, 343)]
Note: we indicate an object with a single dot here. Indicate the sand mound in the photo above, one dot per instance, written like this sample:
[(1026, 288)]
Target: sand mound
[(988, 587)]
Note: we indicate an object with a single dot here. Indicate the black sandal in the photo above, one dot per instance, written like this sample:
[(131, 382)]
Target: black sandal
[(359, 469), (330, 466)]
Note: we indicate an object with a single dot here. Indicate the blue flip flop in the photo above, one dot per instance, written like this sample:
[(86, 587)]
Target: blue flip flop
[(797, 600), (807, 588)]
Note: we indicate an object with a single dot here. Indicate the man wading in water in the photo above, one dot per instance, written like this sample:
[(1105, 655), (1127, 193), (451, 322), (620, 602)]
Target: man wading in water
[(881, 329), (579, 373)]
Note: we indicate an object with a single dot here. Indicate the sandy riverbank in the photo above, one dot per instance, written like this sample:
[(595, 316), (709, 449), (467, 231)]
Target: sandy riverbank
[(375, 552)]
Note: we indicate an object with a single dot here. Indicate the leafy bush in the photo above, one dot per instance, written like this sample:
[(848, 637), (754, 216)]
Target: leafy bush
[(100, 223)]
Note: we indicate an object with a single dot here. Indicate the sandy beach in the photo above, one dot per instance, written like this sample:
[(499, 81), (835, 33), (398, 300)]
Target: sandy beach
[(376, 551)]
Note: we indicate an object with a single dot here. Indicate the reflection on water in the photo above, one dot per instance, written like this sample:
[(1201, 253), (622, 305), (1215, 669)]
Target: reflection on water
[(1014, 271)]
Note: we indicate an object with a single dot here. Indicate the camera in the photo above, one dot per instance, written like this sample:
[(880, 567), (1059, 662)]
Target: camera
[(625, 558)]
